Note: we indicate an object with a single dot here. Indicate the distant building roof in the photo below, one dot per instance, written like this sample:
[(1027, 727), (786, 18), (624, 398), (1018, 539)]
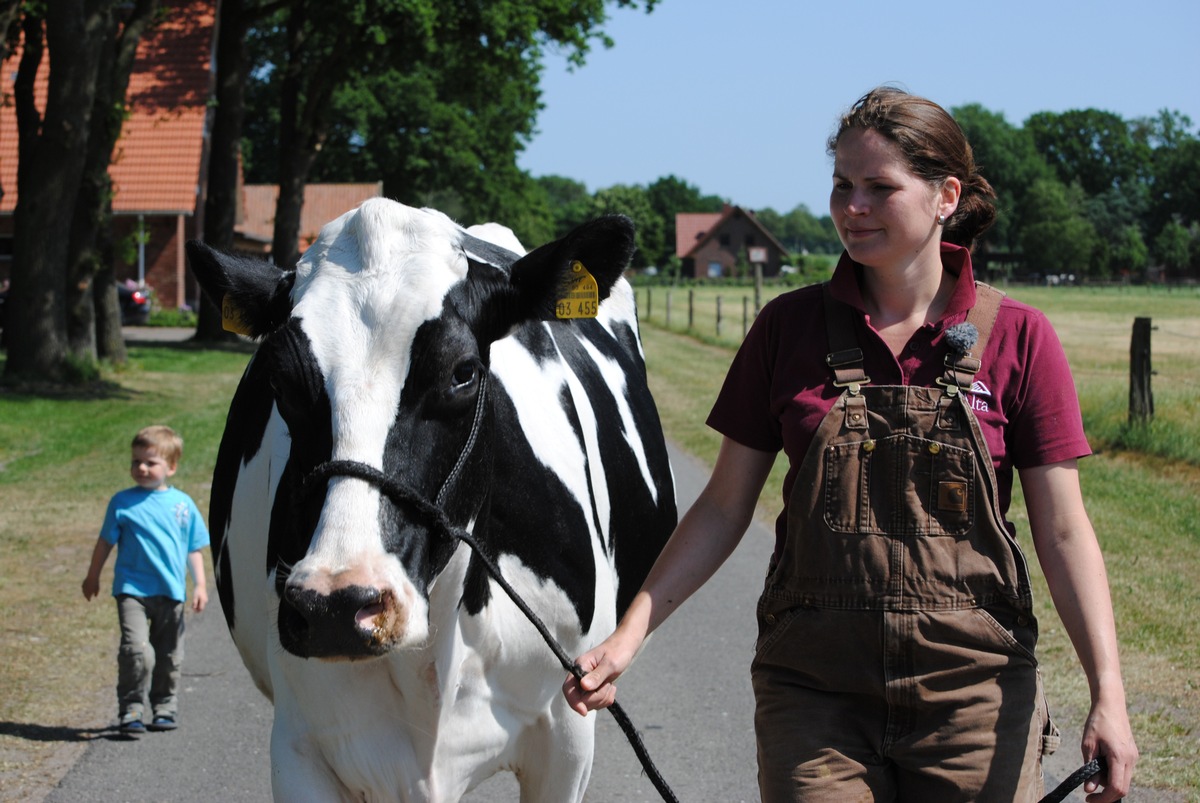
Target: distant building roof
[(158, 160), (322, 203), (690, 229), (693, 229)]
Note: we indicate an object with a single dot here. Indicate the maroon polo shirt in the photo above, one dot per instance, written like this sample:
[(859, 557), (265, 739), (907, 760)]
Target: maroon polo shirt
[(779, 388)]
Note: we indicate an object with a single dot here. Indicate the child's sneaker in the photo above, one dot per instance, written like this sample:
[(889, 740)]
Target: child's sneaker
[(131, 725), (163, 722)]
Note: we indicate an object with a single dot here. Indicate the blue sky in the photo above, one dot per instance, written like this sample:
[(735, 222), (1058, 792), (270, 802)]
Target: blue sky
[(738, 98)]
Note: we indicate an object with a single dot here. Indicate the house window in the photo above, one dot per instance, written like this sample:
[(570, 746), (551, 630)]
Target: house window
[(714, 269), (749, 239)]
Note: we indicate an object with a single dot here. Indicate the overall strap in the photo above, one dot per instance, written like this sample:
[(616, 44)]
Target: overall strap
[(845, 358), (961, 367)]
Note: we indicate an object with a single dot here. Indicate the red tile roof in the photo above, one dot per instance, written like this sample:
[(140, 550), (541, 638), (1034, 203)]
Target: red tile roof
[(322, 203), (690, 229), (157, 162)]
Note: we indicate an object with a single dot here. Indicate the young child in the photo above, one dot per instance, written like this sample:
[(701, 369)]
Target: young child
[(157, 531)]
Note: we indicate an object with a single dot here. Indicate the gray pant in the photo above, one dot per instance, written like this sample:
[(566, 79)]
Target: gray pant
[(151, 651)]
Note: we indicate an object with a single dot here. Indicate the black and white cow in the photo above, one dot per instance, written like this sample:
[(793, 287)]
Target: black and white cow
[(406, 352)]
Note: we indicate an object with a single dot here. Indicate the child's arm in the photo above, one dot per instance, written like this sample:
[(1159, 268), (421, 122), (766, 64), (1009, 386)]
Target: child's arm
[(91, 583), (200, 589)]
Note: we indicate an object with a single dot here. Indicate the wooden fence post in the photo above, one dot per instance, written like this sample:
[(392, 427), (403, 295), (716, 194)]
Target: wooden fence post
[(718, 316), (668, 309), (746, 314), (1141, 400), (758, 277), (691, 308)]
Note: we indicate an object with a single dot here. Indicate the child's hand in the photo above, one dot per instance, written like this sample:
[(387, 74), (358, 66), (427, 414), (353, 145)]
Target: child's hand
[(199, 598), (91, 587)]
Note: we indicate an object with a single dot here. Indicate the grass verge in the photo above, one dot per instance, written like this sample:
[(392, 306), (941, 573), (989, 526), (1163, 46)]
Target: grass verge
[(62, 455)]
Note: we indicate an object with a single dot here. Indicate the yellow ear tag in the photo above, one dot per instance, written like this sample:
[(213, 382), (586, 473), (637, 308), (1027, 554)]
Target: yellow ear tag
[(231, 318), (583, 295)]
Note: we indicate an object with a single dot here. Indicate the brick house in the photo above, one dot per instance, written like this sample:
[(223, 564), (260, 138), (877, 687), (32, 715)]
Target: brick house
[(720, 244)]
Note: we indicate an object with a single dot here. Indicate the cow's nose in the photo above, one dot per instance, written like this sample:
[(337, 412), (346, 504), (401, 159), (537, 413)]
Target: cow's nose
[(343, 623)]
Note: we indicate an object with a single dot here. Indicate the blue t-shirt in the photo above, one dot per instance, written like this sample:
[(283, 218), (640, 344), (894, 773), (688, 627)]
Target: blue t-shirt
[(153, 531)]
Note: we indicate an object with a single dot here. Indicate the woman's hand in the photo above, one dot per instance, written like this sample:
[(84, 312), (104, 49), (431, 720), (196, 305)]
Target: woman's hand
[(1107, 733), (603, 665)]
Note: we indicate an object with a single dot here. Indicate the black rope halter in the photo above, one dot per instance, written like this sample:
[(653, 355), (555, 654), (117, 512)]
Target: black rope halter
[(434, 514)]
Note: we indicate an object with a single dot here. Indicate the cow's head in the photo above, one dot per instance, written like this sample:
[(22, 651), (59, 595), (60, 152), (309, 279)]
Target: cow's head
[(375, 351)]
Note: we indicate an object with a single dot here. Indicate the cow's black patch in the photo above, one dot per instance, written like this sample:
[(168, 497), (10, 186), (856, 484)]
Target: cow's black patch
[(283, 373), (244, 426), (298, 389), (531, 515)]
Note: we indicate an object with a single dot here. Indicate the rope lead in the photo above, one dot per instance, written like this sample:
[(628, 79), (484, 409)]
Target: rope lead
[(1093, 767)]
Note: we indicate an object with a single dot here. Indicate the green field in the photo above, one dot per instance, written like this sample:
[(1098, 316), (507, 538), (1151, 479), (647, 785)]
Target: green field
[(62, 454)]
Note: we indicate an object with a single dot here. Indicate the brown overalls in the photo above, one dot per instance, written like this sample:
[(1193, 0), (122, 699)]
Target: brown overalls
[(896, 635)]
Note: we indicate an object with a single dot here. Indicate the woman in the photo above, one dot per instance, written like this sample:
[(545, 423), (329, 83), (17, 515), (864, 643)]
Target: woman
[(896, 635)]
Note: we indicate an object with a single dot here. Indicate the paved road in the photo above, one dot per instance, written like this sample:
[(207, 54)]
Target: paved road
[(689, 695)]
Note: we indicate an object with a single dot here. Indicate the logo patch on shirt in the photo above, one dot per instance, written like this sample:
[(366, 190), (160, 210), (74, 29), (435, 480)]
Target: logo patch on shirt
[(182, 514), (979, 389)]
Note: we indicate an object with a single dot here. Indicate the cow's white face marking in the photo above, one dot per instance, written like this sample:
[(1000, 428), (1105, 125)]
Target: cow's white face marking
[(362, 291)]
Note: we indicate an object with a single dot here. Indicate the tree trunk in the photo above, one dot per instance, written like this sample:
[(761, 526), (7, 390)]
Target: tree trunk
[(305, 100), (291, 174), (110, 343), (93, 205), (9, 11), (49, 170), (221, 202), (88, 211)]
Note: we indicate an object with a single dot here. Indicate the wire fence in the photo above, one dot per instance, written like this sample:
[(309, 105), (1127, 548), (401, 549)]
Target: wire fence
[(721, 316)]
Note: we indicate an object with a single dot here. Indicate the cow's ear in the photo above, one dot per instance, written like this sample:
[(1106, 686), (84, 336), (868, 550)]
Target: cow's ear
[(254, 295), (545, 276)]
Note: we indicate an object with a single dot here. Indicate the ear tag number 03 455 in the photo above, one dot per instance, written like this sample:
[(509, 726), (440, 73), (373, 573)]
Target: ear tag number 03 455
[(583, 295)]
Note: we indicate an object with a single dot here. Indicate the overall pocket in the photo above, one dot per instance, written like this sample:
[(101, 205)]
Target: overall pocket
[(899, 485)]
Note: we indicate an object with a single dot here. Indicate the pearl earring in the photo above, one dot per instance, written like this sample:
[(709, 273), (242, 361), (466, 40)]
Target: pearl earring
[(941, 220)]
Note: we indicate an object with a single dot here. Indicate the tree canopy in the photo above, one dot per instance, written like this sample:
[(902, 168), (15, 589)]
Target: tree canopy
[(436, 99)]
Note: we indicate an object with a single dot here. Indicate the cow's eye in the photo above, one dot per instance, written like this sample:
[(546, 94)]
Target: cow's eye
[(464, 376)]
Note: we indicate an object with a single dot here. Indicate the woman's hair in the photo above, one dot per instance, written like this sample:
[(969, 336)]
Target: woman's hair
[(165, 442), (934, 147)]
